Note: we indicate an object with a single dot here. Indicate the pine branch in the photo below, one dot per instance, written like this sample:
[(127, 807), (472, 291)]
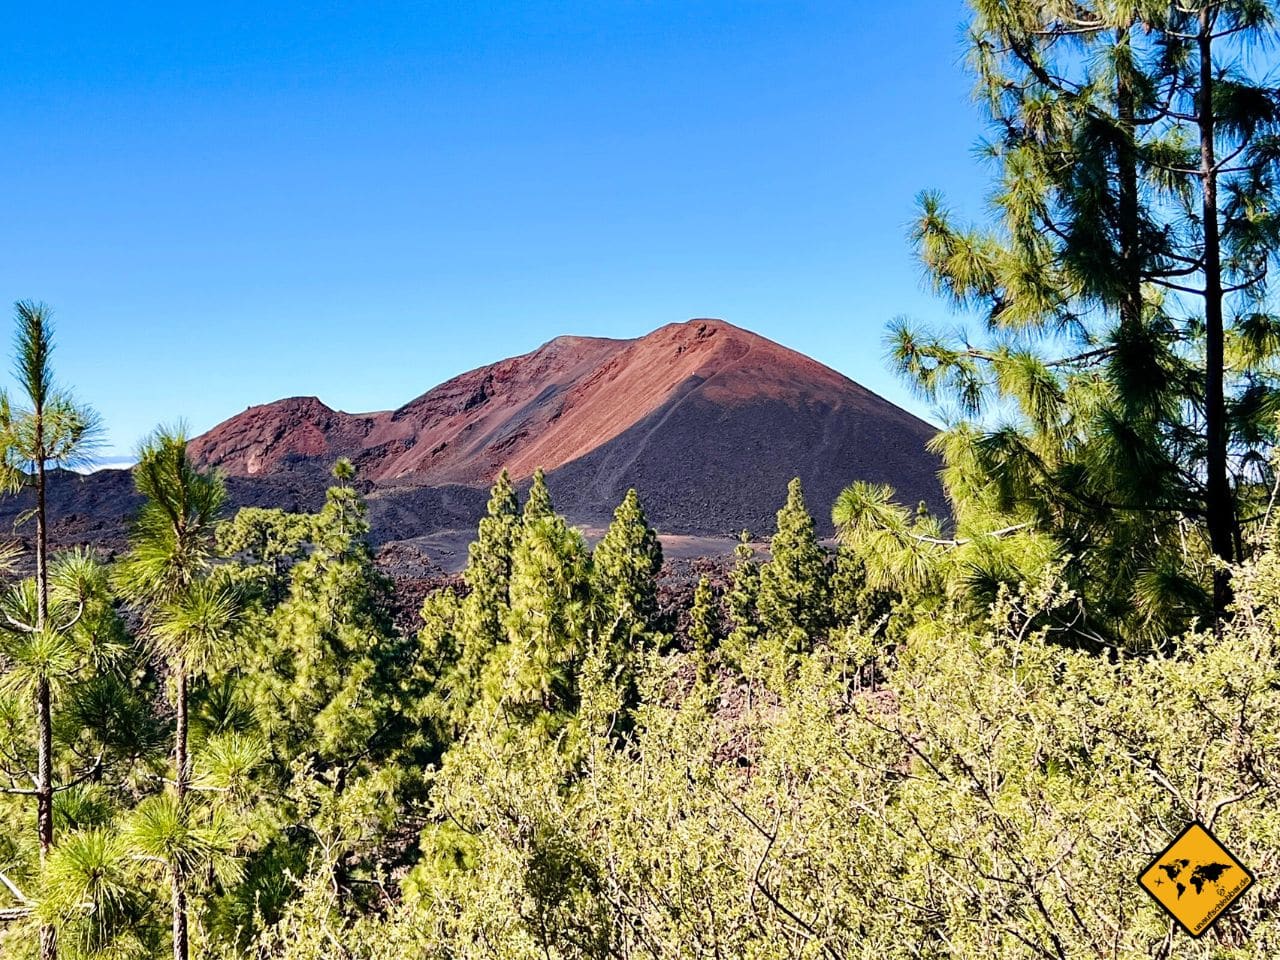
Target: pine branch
[(1181, 288), (91, 772), (1257, 278), (19, 627)]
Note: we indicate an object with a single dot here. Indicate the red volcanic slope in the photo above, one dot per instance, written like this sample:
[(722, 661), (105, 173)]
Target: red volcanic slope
[(689, 405)]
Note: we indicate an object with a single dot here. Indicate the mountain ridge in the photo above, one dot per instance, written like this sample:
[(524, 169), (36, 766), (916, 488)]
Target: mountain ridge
[(605, 412)]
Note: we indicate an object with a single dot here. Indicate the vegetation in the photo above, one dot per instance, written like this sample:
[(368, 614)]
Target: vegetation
[(1117, 399), (526, 778), (947, 736), (45, 427)]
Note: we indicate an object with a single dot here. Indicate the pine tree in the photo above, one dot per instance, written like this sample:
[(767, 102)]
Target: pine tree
[(46, 427), (79, 660), (173, 536), (743, 599), (265, 543), (534, 677), (172, 548), (446, 682), (704, 618), (1122, 296), (458, 637), (795, 590), (852, 602), (345, 510), (538, 504), (488, 572), (325, 677), (188, 617), (624, 573), (704, 626), (329, 685)]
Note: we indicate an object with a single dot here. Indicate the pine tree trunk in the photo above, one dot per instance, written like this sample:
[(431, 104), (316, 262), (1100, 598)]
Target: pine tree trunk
[(1218, 509), (181, 764), (44, 801), (44, 705), (180, 946), (1127, 174), (182, 773)]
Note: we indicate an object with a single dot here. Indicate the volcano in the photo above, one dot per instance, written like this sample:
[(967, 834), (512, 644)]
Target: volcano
[(706, 420)]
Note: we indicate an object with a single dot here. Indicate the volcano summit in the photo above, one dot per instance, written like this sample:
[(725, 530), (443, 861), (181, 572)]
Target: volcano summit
[(708, 422)]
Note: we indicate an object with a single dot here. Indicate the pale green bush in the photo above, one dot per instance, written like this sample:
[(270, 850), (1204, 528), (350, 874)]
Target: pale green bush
[(996, 799)]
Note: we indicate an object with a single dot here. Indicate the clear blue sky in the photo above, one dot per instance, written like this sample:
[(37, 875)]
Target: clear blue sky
[(226, 203)]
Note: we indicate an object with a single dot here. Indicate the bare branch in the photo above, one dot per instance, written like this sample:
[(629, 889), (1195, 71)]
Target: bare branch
[(19, 627), (1228, 801), (13, 889), (92, 771)]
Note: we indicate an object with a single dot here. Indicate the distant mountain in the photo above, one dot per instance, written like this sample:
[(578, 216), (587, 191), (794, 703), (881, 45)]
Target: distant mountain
[(708, 422)]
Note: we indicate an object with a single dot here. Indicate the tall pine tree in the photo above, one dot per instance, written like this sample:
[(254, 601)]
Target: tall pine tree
[(458, 636), (42, 426), (794, 605), (1114, 406), (488, 572), (167, 574), (624, 573), (534, 677)]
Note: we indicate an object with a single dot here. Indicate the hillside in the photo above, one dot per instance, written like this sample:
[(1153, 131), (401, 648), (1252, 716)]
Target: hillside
[(676, 413)]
